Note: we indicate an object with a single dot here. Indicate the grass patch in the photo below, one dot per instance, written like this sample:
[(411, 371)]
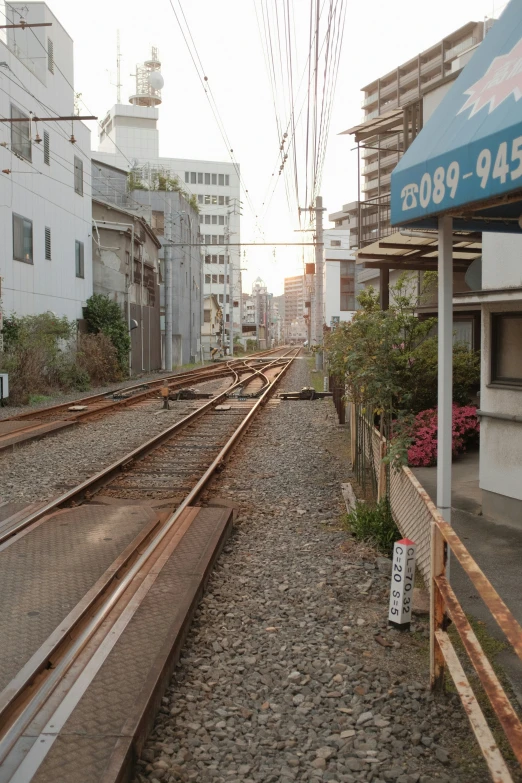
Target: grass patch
[(373, 523), (38, 399), (316, 376)]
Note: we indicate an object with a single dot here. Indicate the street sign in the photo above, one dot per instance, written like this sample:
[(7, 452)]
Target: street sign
[(403, 577)]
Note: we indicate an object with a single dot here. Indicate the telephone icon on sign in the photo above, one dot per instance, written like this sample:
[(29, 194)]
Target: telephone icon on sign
[(409, 196)]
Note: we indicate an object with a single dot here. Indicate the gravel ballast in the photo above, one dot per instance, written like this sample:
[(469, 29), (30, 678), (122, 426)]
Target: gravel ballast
[(40, 470), (290, 672)]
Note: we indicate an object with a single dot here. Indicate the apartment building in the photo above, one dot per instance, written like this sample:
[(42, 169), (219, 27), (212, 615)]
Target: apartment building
[(295, 324), (45, 184), (339, 283), (393, 114)]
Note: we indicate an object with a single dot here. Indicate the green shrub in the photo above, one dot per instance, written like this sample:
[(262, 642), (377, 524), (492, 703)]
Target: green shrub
[(373, 523), (104, 315)]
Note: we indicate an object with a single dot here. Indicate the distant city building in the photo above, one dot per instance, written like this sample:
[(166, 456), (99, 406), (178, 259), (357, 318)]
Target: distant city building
[(295, 329), (45, 187)]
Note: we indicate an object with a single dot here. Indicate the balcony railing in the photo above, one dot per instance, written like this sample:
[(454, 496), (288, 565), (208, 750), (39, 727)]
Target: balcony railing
[(370, 99), (450, 54)]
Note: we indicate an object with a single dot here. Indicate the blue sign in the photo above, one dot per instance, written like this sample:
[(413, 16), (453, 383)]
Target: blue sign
[(470, 150)]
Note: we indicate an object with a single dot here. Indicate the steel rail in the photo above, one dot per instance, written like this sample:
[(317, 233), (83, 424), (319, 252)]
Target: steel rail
[(25, 707), (213, 370), (104, 476)]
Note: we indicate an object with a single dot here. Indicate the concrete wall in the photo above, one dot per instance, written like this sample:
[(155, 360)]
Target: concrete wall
[(44, 193), (500, 441), (502, 260)]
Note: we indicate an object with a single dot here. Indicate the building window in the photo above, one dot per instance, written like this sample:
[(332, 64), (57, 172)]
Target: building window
[(221, 278), (228, 278), (214, 199), (207, 199), (47, 148), (506, 348), (214, 220), (221, 220), (200, 199), (206, 316), (214, 239), (227, 318), (214, 259), (335, 243), (200, 178), (207, 219), (207, 179), (78, 176), (47, 244), (187, 176), (221, 201), (214, 278), (20, 134), (207, 278), (22, 239), (221, 179), (227, 180), (201, 218), (227, 200), (220, 298), (207, 259), (214, 179), (50, 56), (193, 177), (347, 271), (80, 270), (222, 259)]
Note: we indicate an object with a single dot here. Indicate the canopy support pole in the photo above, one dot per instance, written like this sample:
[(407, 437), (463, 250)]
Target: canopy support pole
[(445, 365)]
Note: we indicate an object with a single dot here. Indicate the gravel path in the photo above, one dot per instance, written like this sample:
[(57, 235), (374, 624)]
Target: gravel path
[(39, 470), (283, 677)]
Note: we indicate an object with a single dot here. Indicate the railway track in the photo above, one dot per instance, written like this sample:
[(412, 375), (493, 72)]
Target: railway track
[(34, 424), (53, 704)]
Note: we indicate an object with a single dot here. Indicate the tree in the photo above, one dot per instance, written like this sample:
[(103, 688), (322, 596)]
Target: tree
[(104, 315)]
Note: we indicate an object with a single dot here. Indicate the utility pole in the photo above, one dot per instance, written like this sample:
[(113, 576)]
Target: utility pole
[(319, 282), (318, 290), (167, 250)]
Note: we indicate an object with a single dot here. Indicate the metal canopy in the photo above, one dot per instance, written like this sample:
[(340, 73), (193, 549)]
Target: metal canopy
[(467, 160), (387, 122), (418, 253)]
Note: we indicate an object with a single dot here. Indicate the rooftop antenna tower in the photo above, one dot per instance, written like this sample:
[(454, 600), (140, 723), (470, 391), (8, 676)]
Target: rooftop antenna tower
[(118, 69), (149, 82)]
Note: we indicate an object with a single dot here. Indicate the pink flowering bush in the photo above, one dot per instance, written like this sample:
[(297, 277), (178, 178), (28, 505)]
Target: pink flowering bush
[(466, 427)]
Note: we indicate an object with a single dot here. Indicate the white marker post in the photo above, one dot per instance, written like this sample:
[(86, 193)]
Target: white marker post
[(403, 577)]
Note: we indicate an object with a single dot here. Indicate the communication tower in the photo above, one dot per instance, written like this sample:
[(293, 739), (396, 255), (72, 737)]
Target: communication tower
[(149, 82)]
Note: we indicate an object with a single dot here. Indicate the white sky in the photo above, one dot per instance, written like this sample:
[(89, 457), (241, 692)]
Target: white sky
[(379, 36)]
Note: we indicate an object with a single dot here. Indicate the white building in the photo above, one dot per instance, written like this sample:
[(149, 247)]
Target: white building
[(339, 284), (129, 139), (45, 199)]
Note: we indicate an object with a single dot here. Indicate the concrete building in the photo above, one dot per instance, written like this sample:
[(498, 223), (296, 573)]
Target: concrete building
[(45, 198), (111, 184), (211, 329), (125, 268), (278, 308), (129, 139), (295, 325), (339, 286)]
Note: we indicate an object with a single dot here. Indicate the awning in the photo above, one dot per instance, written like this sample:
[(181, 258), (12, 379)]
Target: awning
[(387, 122), (419, 252), (467, 160)]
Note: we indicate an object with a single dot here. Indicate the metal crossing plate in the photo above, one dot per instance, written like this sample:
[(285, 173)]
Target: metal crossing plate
[(44, 575)]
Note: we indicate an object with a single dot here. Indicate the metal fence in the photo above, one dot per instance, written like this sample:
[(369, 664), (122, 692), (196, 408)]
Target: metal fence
[(407, 497), (418, 519)]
